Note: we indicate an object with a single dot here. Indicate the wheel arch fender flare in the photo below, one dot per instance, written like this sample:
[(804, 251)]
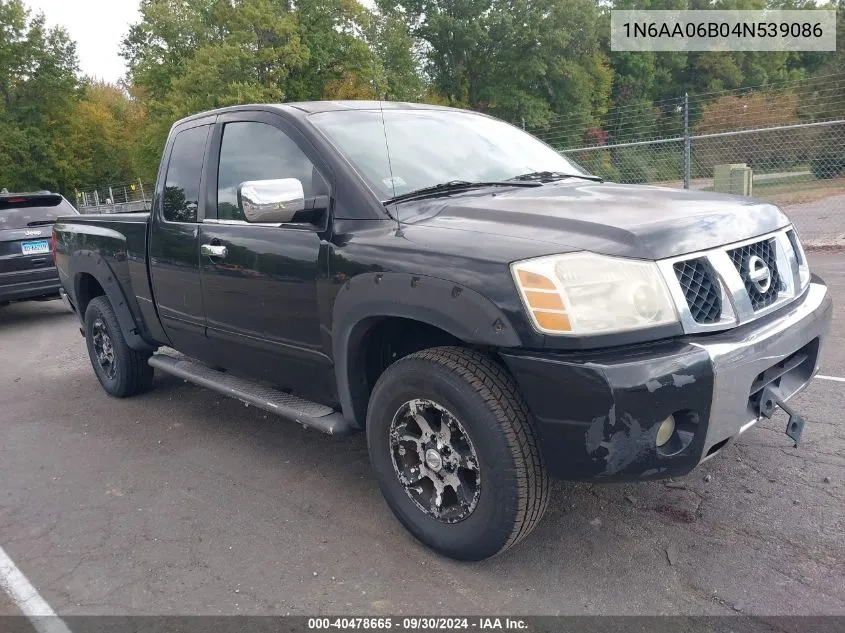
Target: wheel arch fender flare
[(368, 298), (93, 263)]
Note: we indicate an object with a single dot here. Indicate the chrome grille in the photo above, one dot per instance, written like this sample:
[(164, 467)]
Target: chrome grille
[(715, 289), (741, 258), (701, 289)]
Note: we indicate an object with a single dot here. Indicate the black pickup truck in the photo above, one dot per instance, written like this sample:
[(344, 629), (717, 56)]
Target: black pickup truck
[(485, 310)]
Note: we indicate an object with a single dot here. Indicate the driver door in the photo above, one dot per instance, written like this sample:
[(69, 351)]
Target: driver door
[(260, 298)]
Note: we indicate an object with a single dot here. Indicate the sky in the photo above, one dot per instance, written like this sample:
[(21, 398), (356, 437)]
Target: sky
[(97, 26)]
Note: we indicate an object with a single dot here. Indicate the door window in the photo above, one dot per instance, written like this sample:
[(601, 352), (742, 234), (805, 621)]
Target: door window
[(259, 151), (182, 185)]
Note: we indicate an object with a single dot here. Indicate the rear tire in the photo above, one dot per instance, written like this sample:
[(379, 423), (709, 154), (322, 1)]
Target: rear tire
[(487, 447), (121, 370)]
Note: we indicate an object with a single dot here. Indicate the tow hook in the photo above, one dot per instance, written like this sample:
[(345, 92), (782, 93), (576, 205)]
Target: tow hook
[(769, 399)]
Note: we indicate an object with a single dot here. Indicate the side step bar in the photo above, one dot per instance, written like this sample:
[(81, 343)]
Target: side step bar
[(297, 409)]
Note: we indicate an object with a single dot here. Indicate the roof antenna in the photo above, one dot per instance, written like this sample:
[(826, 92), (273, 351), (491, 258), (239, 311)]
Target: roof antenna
[(390, 167)]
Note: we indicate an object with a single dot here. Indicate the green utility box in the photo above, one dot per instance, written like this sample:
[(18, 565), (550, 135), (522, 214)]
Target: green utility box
[(735, 178)]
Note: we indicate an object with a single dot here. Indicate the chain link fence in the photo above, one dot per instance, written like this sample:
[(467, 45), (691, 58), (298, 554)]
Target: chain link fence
[(784, 144), (116, 198)]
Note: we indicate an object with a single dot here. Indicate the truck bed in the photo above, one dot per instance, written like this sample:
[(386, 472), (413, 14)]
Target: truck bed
[(111, 248)]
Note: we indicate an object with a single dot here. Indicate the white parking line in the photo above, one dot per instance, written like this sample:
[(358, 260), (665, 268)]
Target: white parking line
[(833, 378), (27, 599)]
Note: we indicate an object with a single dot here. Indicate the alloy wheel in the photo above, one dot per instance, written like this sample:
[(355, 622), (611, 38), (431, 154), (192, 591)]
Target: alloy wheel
[(103, 349), (435, 460)]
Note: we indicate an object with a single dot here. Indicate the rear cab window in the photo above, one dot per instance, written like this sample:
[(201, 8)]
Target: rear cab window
[(184, 170)]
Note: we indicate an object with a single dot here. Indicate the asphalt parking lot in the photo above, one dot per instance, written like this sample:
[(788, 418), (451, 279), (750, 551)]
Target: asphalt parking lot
[(183, 502)]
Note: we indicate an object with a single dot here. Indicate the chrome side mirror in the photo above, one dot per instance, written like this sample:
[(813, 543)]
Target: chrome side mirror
[(271, 201)]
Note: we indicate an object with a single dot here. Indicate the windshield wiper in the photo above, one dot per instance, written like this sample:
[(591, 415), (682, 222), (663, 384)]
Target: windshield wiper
[(40, 222), (456, 186), (549, 176)]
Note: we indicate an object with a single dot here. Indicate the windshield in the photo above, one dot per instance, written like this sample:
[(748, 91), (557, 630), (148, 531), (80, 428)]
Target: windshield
[(429, 147), (18, 212)]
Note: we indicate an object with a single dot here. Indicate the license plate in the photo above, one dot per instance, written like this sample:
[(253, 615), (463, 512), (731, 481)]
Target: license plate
[(35, 248)]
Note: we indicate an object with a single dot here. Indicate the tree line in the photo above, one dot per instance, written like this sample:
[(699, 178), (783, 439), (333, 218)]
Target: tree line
[(525, 61)]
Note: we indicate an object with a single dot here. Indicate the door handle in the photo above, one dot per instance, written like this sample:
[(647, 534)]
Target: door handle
[(213, 250)]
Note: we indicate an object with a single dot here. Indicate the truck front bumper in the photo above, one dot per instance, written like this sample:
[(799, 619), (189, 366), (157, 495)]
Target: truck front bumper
[(598, 412)]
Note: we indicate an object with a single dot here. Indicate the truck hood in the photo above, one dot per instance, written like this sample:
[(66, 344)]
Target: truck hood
[(626, 220)]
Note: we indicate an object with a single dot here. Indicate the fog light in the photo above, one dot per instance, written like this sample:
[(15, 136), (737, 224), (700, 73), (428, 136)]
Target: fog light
[(665, 430)]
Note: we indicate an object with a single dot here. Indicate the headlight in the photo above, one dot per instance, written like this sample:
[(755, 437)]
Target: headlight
[(583, 293)]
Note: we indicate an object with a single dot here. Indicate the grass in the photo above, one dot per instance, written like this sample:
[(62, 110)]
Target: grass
[(790, 191)]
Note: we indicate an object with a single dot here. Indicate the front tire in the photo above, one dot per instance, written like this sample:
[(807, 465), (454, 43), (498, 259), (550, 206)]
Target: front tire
[(455, 453), (121, 370)]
